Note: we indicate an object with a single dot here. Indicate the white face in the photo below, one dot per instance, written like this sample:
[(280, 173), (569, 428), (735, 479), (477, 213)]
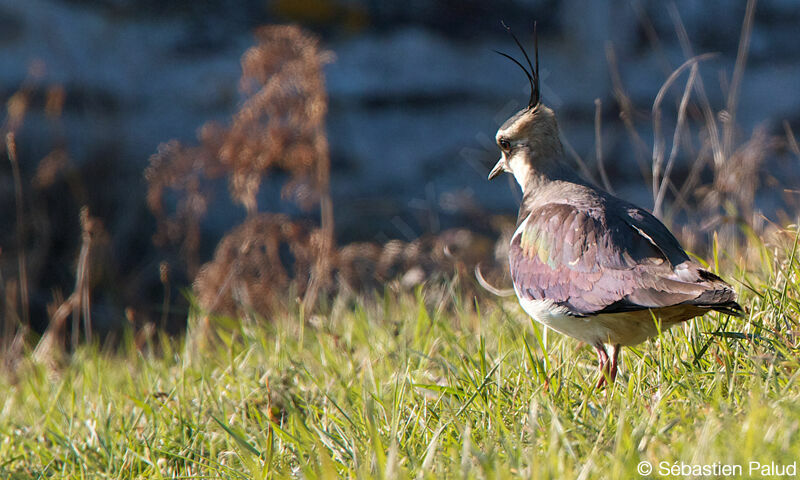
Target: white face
[(513, 157), (517, 164)]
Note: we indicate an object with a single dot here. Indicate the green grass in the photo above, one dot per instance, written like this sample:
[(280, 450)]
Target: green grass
[(417, 385)]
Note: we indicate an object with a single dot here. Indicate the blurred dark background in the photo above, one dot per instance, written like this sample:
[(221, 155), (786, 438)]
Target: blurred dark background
[(415, 97)]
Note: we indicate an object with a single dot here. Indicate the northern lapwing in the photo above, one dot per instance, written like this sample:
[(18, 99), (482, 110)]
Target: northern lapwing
[(588, 264)]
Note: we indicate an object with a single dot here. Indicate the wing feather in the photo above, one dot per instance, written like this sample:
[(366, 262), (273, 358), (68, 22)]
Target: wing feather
[(592, 261)]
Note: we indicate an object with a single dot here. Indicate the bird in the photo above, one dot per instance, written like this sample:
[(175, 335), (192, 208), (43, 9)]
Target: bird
[(586, 263)]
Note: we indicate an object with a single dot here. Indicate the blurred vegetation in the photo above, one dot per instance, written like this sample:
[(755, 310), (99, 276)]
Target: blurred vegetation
[(419, 384), (304, 357), (279, 133)]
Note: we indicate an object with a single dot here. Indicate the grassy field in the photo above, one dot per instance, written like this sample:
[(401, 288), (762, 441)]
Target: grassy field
[(423, 385)]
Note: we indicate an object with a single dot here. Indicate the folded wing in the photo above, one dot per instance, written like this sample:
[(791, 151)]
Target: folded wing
[(594, 261)]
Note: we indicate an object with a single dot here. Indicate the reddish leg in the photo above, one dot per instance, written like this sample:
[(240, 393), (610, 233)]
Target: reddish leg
[(602, 363), (614, 361)]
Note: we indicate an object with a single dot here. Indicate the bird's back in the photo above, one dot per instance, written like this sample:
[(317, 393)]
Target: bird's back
[(588, 253)]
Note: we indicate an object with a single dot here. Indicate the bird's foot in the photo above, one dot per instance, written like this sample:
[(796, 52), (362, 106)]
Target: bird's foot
[(607, 366)]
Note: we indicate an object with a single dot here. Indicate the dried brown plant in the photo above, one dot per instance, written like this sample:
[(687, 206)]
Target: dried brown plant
[(250, 269), (91, 262), (281, 125), (184, 171), (268, 255), (453, 254), (736, 181), (49, 197), (16, 291), (718, 191)]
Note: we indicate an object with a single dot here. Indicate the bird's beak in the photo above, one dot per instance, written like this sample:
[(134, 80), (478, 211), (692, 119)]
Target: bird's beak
[(499, 168)]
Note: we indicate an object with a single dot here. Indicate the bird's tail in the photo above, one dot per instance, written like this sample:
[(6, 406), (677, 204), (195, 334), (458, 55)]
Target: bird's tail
[(729, 308), (719, 296)]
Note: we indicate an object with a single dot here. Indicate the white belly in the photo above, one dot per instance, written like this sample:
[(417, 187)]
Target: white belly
[(618, 328)]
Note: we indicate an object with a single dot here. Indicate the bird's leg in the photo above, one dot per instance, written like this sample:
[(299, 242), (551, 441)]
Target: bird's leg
[(614, 361), (602, 363)]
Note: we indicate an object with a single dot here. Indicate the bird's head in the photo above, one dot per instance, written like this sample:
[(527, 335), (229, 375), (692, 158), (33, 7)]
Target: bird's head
[(530, 136), (526, 140)]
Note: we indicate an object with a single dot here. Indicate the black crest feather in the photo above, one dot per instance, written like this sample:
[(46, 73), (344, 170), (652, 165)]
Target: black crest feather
[(533, 74)]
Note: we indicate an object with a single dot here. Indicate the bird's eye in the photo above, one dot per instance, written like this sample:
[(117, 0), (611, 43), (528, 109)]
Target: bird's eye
[(505, 144)]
